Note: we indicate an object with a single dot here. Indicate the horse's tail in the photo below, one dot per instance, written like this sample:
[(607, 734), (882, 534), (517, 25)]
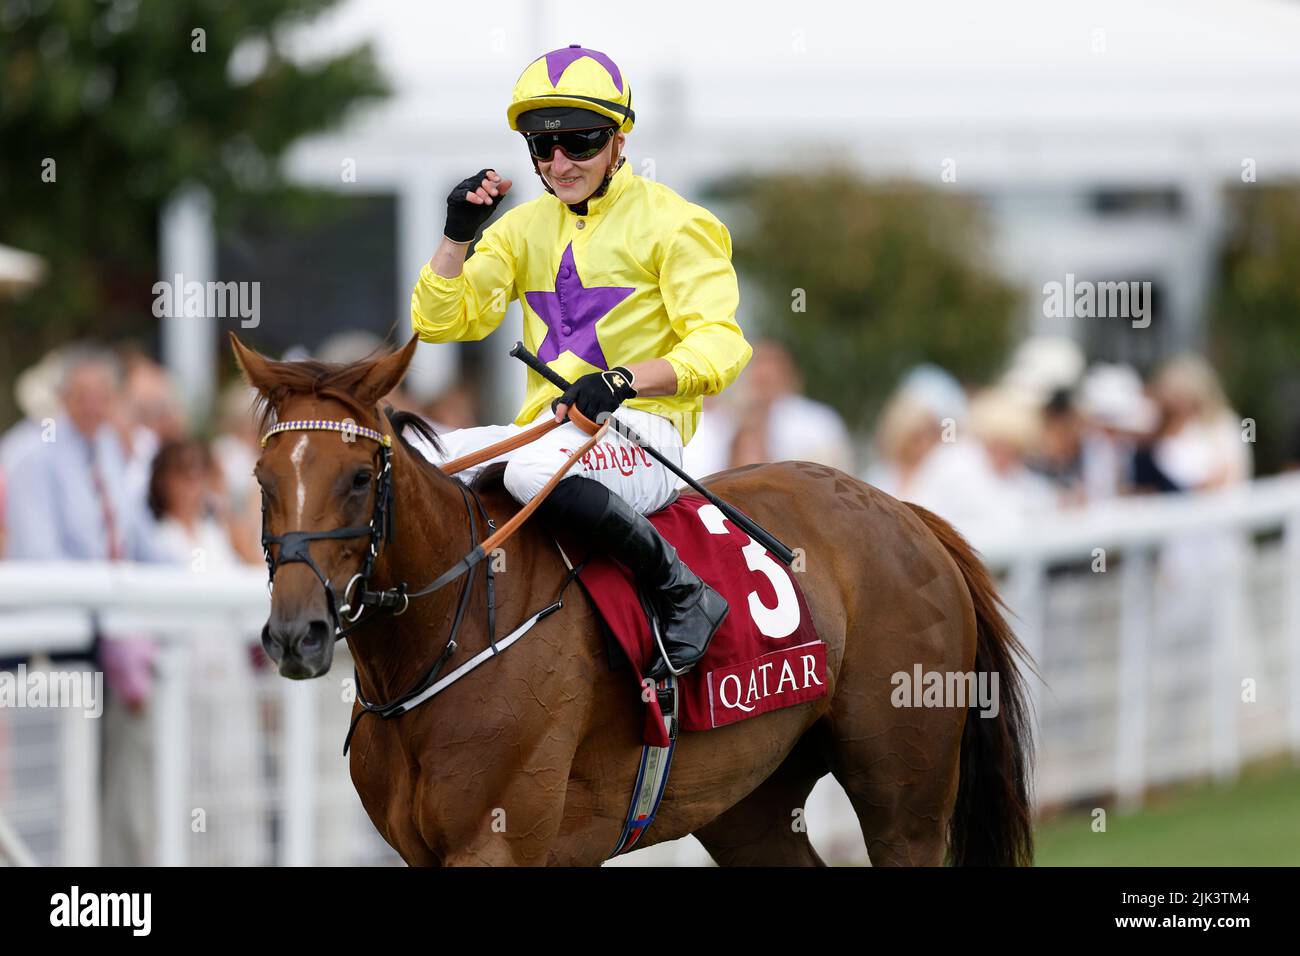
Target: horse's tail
[(990, 824)]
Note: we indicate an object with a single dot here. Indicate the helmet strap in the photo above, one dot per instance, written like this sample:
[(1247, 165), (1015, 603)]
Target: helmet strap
[(580, 208)]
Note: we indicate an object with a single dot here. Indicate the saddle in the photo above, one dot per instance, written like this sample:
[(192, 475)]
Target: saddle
[(766, 655)]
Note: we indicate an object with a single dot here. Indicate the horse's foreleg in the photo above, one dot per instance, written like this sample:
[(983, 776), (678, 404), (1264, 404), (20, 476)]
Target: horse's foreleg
[(502, 816), (516, 828), (489, 853)]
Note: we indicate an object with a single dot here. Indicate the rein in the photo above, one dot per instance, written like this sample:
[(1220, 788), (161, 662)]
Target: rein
[(358, 596)]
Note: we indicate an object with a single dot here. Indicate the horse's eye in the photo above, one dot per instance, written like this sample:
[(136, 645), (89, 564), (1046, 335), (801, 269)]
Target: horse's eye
[(360, 480)]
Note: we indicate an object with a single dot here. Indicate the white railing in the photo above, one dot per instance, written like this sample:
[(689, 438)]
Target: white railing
[(1171, 650), (286, 798), (1145, 616)]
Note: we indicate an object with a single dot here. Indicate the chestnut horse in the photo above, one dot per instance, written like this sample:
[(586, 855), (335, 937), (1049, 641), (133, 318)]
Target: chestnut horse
[(530, 759)]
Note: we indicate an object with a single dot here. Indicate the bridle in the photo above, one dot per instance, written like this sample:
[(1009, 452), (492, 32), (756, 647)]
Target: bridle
[(358, 596), (294, 544)]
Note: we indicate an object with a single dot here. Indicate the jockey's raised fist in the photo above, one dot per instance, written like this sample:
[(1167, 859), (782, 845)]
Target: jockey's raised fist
[(472, 203)]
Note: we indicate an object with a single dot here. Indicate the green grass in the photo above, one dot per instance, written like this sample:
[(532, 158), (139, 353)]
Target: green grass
[(1252, 822)]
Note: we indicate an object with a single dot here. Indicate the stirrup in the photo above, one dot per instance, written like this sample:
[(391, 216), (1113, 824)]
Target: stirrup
[(663, 651)]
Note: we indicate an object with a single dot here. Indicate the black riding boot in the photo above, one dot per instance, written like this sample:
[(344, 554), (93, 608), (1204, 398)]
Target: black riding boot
[(688, 610)]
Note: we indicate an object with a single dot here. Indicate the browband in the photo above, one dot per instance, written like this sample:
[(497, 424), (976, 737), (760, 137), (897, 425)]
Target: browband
[(325, 425)]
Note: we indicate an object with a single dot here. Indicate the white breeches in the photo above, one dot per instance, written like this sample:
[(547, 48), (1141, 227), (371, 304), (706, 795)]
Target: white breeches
[(622, 467)]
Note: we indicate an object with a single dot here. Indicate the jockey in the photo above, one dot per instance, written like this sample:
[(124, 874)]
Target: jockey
[(628, 292)]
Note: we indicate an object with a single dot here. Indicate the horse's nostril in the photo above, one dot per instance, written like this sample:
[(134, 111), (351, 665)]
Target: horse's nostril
[(315, 638), (273, 648)]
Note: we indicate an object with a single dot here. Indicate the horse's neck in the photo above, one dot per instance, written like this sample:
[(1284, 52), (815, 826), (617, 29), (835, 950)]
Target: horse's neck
[(430, 533)]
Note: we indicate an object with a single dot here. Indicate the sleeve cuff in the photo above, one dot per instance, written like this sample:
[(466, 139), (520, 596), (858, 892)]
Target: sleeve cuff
[(441, 283), (685, 377)]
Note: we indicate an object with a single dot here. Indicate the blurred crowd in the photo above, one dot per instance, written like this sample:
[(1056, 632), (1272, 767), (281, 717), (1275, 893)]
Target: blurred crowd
[(106, 465), (1050, 433), (1054, 433)]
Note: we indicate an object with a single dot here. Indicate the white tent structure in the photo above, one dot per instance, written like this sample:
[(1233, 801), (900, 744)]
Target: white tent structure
[(1056, 114), (19, 270)]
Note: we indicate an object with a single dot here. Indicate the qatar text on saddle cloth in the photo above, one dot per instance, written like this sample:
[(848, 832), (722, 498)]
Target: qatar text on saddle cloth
[(765, 656)]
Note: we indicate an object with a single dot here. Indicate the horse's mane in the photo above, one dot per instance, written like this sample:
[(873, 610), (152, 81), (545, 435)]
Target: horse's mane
[(337, 381), (420, 425)]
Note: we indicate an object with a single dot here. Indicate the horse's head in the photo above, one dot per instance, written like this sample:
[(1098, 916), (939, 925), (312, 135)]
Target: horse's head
[(322, 474)]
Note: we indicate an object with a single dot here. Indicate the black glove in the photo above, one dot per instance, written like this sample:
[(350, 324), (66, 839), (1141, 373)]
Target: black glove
[(464, 218), (598, 392)]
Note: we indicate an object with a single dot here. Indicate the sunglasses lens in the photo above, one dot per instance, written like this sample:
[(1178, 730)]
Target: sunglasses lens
[(576, 144)]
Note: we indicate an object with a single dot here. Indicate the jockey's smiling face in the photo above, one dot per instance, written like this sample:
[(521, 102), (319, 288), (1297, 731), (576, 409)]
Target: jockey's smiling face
[(575, 180)]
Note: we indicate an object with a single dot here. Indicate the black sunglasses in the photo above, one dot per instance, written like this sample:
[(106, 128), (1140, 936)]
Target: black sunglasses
[(575, 143)]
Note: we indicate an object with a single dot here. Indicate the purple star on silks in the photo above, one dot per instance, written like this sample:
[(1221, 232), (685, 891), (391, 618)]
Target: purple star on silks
[(571, 313), (557, 61)]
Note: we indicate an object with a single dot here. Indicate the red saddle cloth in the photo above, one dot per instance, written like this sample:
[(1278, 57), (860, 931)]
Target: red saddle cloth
[(765, 656)]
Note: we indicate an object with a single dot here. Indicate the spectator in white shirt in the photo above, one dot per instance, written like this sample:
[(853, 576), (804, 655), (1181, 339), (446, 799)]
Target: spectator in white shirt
[(1200, 442), (1117, 416)]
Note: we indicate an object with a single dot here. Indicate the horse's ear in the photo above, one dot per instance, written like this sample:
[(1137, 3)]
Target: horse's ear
[(386, 374), (256, 368)]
